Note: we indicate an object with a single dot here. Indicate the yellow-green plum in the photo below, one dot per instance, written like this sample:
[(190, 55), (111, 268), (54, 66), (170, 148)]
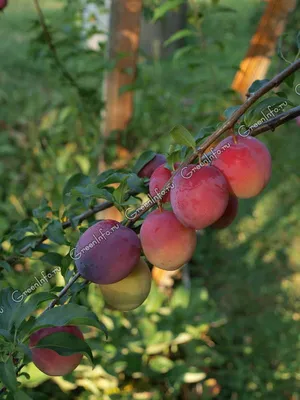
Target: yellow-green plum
[(167, 243), (107, 252), (47, 360), (130, 292)]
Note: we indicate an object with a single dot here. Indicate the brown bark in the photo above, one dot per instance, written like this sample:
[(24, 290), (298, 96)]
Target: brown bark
[(124, 39), (125, 19), (263, 44)]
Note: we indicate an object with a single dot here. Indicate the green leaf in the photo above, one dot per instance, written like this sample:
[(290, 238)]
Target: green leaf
[(147, 329), (180, 298), (257, 85), (161, 364), (264, 110), (136, 184), (20, 395), (6, 266), (91, 191), (179, 35), (55, 232), (22, 228), (120, 193), (31, 305), (5, 334), (165, 7), (9, 307), (65, 344), (182, 136), (143, 160), (290, 81), (173, 157), (231, 110), (108, 177), (203, 133), (182, 52), (69, 314), (75, 180), (8, 375), (42, 210), (53, 259)]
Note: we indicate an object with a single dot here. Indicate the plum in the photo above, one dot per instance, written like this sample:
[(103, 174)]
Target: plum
[(107, 252)]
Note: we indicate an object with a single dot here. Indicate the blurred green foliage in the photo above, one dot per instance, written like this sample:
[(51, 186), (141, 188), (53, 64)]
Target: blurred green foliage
[(235, 333)]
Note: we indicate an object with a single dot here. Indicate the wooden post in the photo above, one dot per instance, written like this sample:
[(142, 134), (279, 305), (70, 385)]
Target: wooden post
[(125, 18), (263, 44)]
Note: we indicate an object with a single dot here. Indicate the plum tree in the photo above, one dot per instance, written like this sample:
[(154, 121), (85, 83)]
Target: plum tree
[(151, 166), (107, 252), (130, 292), (229, 214), (3, 4), (47, 360), (158, 180), (199, 195), (166, 243), (246, 164)]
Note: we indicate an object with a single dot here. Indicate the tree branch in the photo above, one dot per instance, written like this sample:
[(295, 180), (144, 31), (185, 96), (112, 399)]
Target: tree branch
[(52, 48), (229, 124), (64, 291), (85, 215)]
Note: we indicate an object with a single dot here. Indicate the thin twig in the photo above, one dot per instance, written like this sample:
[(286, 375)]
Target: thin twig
[(52, 47), (64, 291)]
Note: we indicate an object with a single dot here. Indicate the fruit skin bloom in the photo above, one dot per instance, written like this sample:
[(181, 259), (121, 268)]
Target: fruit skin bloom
[(246, 164), (167, 244), (199, 196), (107, 252)]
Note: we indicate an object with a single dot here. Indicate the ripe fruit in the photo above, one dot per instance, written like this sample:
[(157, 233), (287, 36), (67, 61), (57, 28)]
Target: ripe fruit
[(151, 166), (158, 180), (245, 164), (50, 362), (167, 244), (107, 252), (130, 292), (297, 121), (199, 196), (3, 4), (229, 214)]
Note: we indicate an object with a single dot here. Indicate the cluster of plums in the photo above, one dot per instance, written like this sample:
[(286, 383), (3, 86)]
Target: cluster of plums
[(109, 254)]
